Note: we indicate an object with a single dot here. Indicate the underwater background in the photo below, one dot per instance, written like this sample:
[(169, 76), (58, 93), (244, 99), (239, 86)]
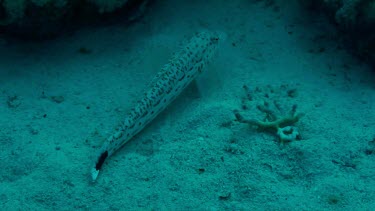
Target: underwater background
[(70, 73)]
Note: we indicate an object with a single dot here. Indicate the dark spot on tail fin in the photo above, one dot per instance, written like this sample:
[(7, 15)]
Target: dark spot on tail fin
[(101, 160)]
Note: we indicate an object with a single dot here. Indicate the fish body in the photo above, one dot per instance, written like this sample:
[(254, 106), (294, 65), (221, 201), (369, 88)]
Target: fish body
[(183, 68)]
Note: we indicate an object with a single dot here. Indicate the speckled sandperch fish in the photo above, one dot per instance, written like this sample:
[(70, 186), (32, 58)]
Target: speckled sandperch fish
[(184, 67)]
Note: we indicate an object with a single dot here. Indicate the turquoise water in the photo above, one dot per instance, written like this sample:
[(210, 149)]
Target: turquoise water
[(61, 98)]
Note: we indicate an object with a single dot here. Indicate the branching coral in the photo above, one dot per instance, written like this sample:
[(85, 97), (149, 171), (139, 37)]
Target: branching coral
[(108, 5), (348, 12), (345, 12), (14, 10), (368, 11), (275, 121), (282, 126)]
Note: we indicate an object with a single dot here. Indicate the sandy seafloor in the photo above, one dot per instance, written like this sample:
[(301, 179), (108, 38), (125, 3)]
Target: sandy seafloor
[(58, 106)]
